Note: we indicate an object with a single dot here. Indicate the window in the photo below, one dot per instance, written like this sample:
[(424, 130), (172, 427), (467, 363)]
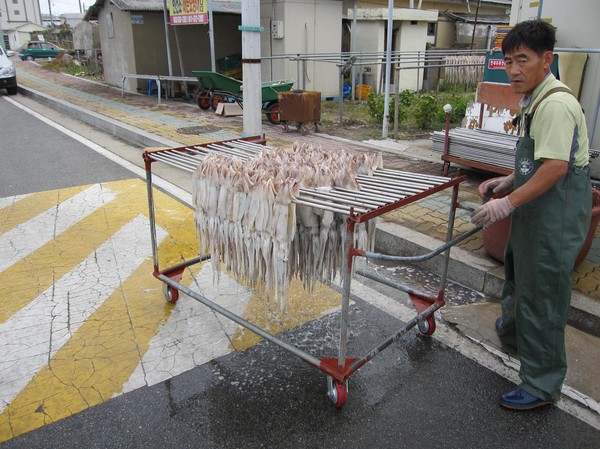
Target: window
[(431, 28), (16, 12), (110, 26), (15, 2)]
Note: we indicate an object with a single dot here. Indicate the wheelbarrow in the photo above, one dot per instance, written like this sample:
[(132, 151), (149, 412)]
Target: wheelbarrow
[(215, 88)]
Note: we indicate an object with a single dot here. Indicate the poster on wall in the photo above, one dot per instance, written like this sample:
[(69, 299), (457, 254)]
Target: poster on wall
[(188, 12)]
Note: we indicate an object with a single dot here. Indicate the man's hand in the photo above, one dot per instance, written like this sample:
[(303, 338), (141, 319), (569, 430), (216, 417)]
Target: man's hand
[(491, 212), (498, 186)]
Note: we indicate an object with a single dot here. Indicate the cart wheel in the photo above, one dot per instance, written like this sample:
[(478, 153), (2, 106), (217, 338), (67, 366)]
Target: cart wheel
[(273, 113), (337, 392), (427, 326), (204, 101), (215, 100), (171, 294)]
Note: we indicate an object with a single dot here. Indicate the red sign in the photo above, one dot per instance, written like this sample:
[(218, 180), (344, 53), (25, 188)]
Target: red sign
[(496, 64)]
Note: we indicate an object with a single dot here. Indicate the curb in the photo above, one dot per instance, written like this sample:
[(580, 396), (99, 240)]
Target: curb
[(126, 132)]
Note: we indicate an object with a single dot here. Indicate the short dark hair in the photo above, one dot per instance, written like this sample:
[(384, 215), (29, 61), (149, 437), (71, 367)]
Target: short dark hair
[(536, 35)]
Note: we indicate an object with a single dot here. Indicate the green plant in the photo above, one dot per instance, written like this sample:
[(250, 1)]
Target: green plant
[(459, 103), (407, 97), (376, 105), (70, 66), (425, 111)]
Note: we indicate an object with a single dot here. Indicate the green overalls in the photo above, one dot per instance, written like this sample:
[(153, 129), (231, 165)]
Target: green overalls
[(545, 238)]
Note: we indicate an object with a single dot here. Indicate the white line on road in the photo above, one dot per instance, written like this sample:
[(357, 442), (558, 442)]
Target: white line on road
[(39, 230), (167, 186), (32, 336), (10, 200), (193, 334)]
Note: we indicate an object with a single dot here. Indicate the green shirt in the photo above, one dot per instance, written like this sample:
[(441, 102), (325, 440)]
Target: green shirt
[(558, 127)]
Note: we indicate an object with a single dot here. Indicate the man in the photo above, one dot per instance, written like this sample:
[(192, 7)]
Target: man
[(550, 205)]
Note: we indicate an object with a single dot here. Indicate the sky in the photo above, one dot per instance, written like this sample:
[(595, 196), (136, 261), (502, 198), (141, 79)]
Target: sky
[(65, 6)]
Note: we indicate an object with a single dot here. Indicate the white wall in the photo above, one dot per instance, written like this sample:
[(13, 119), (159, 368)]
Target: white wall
[(313, 26), (370, 37), (577, 26), (117, 52), (411, 37)]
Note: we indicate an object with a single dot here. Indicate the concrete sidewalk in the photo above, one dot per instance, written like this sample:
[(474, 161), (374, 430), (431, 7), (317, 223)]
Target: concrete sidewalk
[(411, 230)]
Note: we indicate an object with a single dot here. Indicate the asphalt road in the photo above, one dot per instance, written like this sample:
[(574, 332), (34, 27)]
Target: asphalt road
[(418, 393)]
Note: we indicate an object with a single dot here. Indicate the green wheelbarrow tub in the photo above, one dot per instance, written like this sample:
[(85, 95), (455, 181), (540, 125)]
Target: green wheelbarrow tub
[(213, 81)]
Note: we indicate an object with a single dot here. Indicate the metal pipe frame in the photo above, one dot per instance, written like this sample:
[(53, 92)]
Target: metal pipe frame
[(345, 366)]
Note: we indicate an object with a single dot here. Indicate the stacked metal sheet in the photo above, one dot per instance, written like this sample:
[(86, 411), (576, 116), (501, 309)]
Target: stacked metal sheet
[(479, 145)]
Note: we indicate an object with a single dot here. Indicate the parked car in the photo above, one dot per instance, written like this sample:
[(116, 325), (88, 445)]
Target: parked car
[(10, 53), (8, 74), (37, 50)]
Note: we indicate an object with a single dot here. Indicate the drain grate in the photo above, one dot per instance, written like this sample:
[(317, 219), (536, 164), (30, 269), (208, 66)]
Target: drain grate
[(195, 130)]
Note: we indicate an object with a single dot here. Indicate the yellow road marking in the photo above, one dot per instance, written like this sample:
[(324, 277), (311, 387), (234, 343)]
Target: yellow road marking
[(103, 353), (106, 349), (301, 307), (22, 282), (33, 205)]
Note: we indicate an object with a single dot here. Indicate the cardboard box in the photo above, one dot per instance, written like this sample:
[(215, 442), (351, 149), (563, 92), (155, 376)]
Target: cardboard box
[(229, 109)]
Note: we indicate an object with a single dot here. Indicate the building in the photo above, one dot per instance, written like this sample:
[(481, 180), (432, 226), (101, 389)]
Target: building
[(17, 14), (417, 27), (133, 40)]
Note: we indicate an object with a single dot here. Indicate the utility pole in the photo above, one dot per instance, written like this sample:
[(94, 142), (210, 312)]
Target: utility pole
[(50, 11), (251, 30)]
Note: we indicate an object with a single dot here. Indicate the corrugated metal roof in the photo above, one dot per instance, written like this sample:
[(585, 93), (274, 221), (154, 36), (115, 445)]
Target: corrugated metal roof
[(138, 5), (219, 6), (481, 19)]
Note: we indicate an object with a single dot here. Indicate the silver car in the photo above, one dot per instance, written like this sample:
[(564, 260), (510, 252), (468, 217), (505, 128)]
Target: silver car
[(8, 74)]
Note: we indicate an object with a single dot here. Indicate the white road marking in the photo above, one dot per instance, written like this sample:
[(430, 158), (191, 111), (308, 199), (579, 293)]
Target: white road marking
[(39, 230), (32, 336), (193, 333), (10, 200)]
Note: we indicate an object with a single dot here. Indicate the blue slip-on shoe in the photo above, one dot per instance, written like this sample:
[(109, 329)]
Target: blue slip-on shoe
[(519, 399)]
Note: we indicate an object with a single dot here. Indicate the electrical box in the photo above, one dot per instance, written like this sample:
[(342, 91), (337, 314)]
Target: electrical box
[(277, 29)]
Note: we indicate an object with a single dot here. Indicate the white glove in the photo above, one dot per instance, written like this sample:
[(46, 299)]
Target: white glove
[(491, 212), (498, 186)]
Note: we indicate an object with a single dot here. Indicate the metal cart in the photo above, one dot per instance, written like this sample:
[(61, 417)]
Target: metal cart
[(217, 88), (383, 192), (301, 107)]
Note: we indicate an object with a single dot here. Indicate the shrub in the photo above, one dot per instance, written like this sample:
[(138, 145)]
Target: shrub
[(407, 97), (426, 110), (376, 104)]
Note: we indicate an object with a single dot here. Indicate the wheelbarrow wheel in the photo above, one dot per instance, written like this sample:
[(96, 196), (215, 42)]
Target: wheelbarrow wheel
[(273, 113), (204, 101), (215, 100)]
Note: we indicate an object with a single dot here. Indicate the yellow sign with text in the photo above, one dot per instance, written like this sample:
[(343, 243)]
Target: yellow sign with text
[(188, 12)]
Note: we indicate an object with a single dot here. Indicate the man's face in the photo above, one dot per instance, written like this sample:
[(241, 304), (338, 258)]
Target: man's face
[(526, 69)]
